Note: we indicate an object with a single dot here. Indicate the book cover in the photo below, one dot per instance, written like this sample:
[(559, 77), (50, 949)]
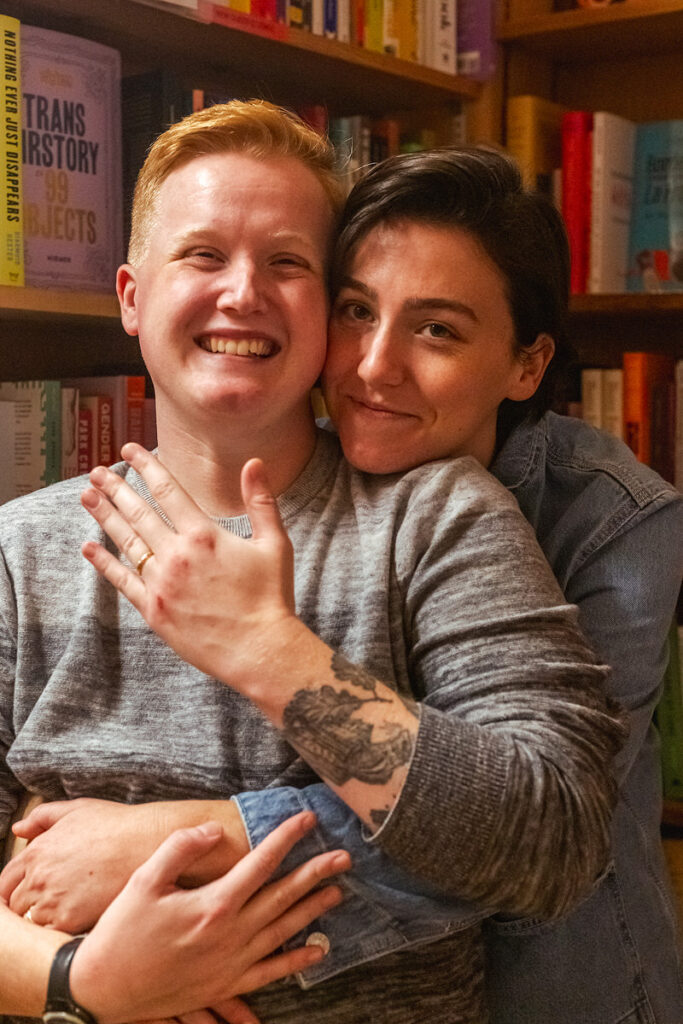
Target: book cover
[(476, 42), (69, 467), (647, 380), (71, 124), (669, 719), (678, 471), (37, 432), (533, 137), (656, 239), (12, 240), (611, 202), (7, 433), (577, 127)]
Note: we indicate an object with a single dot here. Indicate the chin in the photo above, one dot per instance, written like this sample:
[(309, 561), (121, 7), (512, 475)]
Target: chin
[(376, 461)]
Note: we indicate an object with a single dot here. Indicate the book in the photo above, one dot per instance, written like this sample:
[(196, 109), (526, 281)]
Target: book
[(11, 219), (150, 103), (669, 718), (591, 396), (127, 394), (7, 433), (613, 402), (101, 412), (577, 127), (344, 21), (533, 138), (69, 467), (648, 379), (71, 122), (37, 432), (678, 469), (611, 197), (374, 25), (656, 239), (358, 22), (475, 40), (85, 440), (437, 35)]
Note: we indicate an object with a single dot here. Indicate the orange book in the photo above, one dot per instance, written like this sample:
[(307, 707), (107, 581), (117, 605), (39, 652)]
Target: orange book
[(648, 384)]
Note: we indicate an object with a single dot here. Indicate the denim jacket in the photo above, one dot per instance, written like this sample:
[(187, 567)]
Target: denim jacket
[(612, 531)]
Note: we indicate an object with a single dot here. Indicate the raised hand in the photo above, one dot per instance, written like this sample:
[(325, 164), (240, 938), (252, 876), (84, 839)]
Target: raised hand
[(209, 594), (160, 951)]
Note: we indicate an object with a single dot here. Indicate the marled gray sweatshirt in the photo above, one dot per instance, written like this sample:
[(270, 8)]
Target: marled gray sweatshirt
[(434, 582)]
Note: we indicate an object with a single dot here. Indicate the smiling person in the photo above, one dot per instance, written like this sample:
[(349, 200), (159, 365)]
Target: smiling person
[(404, 641)]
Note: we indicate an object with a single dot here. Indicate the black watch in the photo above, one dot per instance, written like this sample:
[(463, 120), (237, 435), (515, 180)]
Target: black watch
[(61, 1007)]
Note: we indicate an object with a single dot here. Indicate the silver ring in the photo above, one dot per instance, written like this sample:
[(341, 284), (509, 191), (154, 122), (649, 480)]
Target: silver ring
[(27, 915)]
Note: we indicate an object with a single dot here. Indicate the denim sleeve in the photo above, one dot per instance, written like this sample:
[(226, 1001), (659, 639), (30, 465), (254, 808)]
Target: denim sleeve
[(384, 909), (626, 593)]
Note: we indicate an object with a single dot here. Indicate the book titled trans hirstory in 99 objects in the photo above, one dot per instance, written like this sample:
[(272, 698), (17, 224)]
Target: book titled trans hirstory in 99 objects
[(71, 134)]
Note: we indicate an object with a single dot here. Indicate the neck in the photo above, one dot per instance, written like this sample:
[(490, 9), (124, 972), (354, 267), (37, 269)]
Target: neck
[(209, 464)]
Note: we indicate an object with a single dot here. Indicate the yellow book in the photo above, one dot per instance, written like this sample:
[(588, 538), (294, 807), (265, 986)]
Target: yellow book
[(12, 242), (374, 25), (534, 139)]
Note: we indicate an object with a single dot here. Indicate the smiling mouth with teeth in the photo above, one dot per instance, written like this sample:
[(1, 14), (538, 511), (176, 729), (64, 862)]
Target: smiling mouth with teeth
[(259, 347)]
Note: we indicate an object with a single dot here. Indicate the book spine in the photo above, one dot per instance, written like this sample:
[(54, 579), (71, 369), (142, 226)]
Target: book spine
[(330, 18), (611, 202), (358, 22), (647, 379), (12, 240), (374, 25), (69, 467), (443, 36), (85, 440), (613, 402), (344, 21), (135, 409), (591, 396), (476, 44), (576, 160)]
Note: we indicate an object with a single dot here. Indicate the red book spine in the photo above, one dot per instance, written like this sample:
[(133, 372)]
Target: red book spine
[(135, 410), (647, 385), (577, 140)]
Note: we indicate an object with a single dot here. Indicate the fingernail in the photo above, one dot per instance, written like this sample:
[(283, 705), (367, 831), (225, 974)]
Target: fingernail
[(341, 861), (210, 829), (98, 474)]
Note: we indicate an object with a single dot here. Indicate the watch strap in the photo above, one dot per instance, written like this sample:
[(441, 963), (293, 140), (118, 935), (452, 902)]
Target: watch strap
[(60, 1004)]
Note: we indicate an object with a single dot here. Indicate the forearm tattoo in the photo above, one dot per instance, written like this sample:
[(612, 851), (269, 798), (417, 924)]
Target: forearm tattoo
[(320, 724)]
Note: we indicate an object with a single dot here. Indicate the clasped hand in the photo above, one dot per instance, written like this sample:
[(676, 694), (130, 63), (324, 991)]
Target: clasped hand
[(215, 598)]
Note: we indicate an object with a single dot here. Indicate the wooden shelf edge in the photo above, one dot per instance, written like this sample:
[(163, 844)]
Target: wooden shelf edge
[(627, 27), (627, 304), (37, 302)]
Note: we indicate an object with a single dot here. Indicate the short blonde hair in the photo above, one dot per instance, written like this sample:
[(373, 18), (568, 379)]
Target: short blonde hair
[(255, 127)]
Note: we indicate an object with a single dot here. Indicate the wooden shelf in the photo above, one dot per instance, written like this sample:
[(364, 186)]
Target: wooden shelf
[(627, 305), (302, 68), (584, 35), (42, 303)]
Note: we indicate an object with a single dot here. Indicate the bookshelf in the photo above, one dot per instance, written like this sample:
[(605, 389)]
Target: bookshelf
[(67, 333)]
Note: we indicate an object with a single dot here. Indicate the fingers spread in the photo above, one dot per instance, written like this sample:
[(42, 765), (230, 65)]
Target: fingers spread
[(164, 488)]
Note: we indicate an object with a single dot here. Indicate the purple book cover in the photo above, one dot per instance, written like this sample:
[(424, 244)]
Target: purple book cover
[(71, 134), (476, 46)]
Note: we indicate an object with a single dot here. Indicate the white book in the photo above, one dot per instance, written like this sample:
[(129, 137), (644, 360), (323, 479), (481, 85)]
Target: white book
[(318, 17), (69, 432), (611, 202), (344, 21), (442, 35), (613, 402), (37, 449), (7, 442), (591, 396)]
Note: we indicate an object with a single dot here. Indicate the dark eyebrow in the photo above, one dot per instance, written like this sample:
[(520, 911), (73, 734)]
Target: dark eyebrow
[(416, 304)]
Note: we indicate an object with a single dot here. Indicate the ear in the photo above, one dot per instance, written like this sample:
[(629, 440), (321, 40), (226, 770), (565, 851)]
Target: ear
[(533, 362), (126, 289)]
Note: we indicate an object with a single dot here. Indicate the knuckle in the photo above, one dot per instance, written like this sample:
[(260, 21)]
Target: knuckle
[(161, 489)]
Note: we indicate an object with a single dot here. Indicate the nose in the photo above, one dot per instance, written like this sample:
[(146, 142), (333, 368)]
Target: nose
[(381, 361), (241, 288)]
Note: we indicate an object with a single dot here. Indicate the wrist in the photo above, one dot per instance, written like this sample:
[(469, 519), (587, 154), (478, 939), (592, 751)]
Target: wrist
[(61, 1005)]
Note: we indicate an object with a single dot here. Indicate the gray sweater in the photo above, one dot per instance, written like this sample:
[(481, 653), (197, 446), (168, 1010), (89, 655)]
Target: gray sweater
[(435, 583)]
